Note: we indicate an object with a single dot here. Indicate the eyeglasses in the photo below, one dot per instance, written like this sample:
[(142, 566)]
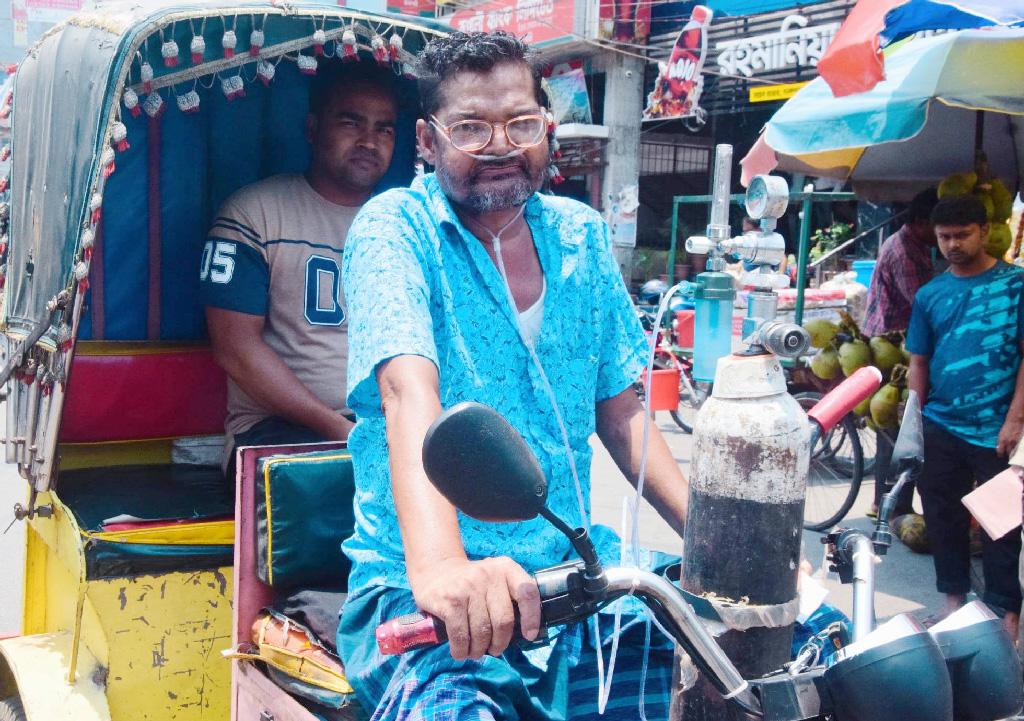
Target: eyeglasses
[(470, 136)]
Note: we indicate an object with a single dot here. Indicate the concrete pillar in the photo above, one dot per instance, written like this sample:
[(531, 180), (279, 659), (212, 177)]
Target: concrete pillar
[(623, 105)]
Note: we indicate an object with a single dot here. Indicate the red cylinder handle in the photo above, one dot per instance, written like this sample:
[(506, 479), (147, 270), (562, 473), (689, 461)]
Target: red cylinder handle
[(845, 397), (409, 632)]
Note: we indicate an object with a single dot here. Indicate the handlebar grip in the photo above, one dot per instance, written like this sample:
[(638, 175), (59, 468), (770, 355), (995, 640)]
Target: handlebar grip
[(409, 632), (845, 397)]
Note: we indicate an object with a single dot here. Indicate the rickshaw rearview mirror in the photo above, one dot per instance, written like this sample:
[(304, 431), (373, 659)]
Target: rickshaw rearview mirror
[(908, 452), (481, 464)]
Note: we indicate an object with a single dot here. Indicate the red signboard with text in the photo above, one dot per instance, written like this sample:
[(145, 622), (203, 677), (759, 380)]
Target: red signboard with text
[(51, 10), (536, 21), (421, 8)]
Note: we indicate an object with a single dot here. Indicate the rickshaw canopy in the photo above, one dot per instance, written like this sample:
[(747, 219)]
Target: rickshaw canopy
[(131, 125), (74, 87)]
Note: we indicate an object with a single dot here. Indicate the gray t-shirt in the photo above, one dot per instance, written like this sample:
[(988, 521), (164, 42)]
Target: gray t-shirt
[(275, 250)]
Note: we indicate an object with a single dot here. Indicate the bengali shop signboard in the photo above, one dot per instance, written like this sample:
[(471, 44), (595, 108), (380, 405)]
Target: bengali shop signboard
[(536, 21)]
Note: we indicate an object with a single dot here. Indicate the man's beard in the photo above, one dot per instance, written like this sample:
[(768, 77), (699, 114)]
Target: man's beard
[(462, 192)]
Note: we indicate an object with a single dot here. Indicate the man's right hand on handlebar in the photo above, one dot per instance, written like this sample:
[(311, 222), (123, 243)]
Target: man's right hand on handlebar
[(479, 603)]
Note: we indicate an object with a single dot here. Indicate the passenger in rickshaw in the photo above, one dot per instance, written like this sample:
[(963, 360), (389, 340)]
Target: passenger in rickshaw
[(491, 293), (271, 267)]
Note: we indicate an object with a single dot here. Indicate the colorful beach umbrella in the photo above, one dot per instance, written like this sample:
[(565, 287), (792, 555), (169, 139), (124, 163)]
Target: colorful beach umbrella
[(854, 62), (913, 128)]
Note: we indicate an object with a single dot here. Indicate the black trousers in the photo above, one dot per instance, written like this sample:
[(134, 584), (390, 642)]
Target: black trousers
[(951, 468)]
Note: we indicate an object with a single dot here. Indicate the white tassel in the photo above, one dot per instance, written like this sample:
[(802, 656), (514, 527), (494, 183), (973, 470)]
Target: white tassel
[(146, 75), (153, 105), (198, 49), (189, 102), (348, 46), (119, 136), (131, 101), (265, 72), (307, 64), (169, 51), (256, 40), (229, 42)]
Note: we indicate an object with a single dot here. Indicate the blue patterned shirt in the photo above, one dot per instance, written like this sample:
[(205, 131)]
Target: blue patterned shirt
[(418, 283), (971, 330)]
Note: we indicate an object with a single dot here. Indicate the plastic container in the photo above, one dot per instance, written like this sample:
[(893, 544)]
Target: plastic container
[(864, 270), (684, 328), (712, 327), (664, 390), (712, 336)]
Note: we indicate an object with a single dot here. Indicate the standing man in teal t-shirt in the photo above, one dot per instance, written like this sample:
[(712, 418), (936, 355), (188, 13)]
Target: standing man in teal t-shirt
[(966, 338)]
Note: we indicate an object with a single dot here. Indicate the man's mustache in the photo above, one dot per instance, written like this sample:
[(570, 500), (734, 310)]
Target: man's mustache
[(508, 161), (367, 155)]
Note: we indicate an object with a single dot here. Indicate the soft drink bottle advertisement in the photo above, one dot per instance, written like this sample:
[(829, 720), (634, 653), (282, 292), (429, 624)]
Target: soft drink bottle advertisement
[(680, 81)]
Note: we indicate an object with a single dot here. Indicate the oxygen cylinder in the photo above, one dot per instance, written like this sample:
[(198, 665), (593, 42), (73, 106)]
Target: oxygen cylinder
[(751, 449)]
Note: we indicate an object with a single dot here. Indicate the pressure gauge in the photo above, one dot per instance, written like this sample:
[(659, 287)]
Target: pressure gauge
[(767, 197)]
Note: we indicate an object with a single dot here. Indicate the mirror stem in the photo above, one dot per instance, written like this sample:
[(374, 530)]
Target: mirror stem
[(594, 581), (882, 537)]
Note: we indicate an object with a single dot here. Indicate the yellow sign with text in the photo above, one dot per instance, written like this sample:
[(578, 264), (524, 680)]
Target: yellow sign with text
[(771, 93)]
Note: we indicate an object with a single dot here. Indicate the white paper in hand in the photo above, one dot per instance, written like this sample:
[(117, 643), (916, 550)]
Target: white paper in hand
[(997, 503)]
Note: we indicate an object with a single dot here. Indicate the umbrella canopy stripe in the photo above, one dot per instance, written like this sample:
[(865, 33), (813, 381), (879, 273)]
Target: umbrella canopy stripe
[(920, 15), (977, 70), (916, 126)]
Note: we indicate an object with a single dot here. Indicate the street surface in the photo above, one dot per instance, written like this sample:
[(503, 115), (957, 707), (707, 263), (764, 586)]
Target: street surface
[(905, 581)]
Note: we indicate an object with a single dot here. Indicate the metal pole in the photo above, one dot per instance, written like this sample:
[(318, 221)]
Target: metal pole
[(672, 243), (979, 133), (863, 556), (801, 260)]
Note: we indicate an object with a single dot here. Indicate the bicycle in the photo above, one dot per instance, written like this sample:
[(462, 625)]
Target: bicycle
[(692, 394)]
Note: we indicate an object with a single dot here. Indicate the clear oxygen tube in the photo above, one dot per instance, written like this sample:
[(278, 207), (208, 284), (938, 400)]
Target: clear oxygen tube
[(631, 529), (603, 686), (604, 679)]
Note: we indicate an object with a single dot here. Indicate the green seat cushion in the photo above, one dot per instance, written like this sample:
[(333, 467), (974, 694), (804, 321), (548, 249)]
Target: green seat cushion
[(303, 513)]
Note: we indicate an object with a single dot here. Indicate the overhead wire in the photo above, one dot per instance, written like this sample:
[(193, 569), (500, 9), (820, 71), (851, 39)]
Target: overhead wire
[(613, 45)]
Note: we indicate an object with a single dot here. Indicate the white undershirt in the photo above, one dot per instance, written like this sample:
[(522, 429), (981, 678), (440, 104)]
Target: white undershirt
[(530, 319)]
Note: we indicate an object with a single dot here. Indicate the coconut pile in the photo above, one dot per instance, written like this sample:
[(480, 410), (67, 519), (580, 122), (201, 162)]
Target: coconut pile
[(842, 348), (996, 198)]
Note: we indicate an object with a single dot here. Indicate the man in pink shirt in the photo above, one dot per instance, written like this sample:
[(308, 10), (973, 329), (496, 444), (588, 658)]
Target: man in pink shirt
[(904, 265)]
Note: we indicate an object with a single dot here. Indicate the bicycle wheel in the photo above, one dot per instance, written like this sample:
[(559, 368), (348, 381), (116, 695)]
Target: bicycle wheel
[(830, 491), (869, 447), (691, 398)]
